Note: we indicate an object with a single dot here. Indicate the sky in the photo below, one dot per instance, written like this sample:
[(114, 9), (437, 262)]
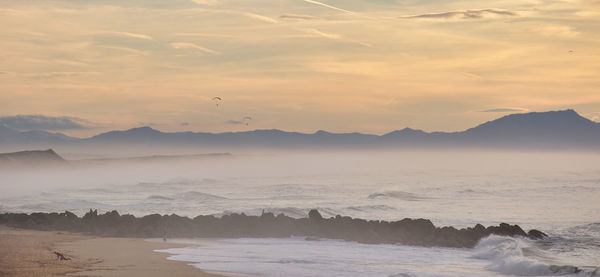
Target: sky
[(370, 66)]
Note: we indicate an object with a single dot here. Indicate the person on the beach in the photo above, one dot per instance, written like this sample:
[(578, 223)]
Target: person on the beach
[(61, 257)]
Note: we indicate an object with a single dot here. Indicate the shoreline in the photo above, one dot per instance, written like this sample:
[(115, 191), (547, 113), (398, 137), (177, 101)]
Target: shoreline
[(30, 253)]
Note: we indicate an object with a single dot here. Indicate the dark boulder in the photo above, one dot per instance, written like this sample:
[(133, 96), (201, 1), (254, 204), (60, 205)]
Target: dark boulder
[(315, 215), (536, 234)]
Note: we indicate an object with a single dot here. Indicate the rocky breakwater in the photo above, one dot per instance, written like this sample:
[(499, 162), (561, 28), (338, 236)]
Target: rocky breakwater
[(418, 232)]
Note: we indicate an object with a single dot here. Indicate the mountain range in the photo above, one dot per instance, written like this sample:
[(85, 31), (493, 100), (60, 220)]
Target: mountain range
[(564, 129)]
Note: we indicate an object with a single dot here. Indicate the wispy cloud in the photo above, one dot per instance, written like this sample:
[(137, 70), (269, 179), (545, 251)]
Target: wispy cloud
[(328, 6), (244, 121), (130, 35), (207, 2), (556, 31), (210, 35), (461, 15), (56, 74), (124, 49), (234, 122), (189, 45), (298, 16), (255, 16), (260, 17), (504, 110), (318, 33), (41, 122)]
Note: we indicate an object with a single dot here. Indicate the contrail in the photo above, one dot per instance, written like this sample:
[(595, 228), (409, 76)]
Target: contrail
[(328, 6), (189, 45)]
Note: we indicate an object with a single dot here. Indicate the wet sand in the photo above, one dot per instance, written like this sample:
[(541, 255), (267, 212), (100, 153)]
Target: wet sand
[(30, 253)]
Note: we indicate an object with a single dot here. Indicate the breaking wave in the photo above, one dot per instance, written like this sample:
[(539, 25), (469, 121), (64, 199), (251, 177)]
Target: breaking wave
[(369, 208), (402, 195), (195, 195), (514, 256)]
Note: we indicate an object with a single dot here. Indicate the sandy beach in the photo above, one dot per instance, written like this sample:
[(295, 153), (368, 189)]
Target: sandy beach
[(30, 253)]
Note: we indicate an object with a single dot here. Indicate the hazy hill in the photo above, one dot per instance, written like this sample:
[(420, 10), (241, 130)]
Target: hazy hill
[(556, 128), (8, 135), (538, 130), (31, 158), (151, 159)]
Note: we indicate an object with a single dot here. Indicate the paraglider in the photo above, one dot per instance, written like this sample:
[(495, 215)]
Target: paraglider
[(217, 100), (247, 120)]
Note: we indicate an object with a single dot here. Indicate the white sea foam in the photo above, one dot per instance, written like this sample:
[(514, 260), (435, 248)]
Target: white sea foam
[(298, 257), (324, 258), (506, 255)]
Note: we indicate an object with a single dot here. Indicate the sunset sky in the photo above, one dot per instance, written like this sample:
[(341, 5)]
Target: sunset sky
[(370, 66)]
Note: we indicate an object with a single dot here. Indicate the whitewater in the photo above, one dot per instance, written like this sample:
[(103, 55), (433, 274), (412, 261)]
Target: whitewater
[(558, 193)]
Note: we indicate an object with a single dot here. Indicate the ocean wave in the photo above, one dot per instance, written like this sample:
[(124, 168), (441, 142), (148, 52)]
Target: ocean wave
[(100, 190), (579, 243), (293, 190), (179, 182), (71, 204), (401, 275), (506, 256), (367, 208), (396, 194), (195, 195), (289, 211), (158, 197), (473, 191), (294, 261), (590, 230)]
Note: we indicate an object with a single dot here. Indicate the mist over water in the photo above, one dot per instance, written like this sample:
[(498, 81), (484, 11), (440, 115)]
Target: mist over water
[(557, 193)]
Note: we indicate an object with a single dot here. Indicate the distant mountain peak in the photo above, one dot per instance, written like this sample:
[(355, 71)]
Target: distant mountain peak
[(558, 113), (133, 133), (562, 115), (552, 123), (265, 131), (406, 131), (143, 129)]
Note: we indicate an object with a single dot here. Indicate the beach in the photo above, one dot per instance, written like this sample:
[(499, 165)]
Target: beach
[(30, 253), (376, 216)]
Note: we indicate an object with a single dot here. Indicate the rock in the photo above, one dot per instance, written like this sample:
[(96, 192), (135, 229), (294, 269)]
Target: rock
[(418, 232), (315, 215), (536, 234)]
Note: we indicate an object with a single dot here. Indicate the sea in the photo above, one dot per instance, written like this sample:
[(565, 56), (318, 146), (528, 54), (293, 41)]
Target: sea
[(555, 192)]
